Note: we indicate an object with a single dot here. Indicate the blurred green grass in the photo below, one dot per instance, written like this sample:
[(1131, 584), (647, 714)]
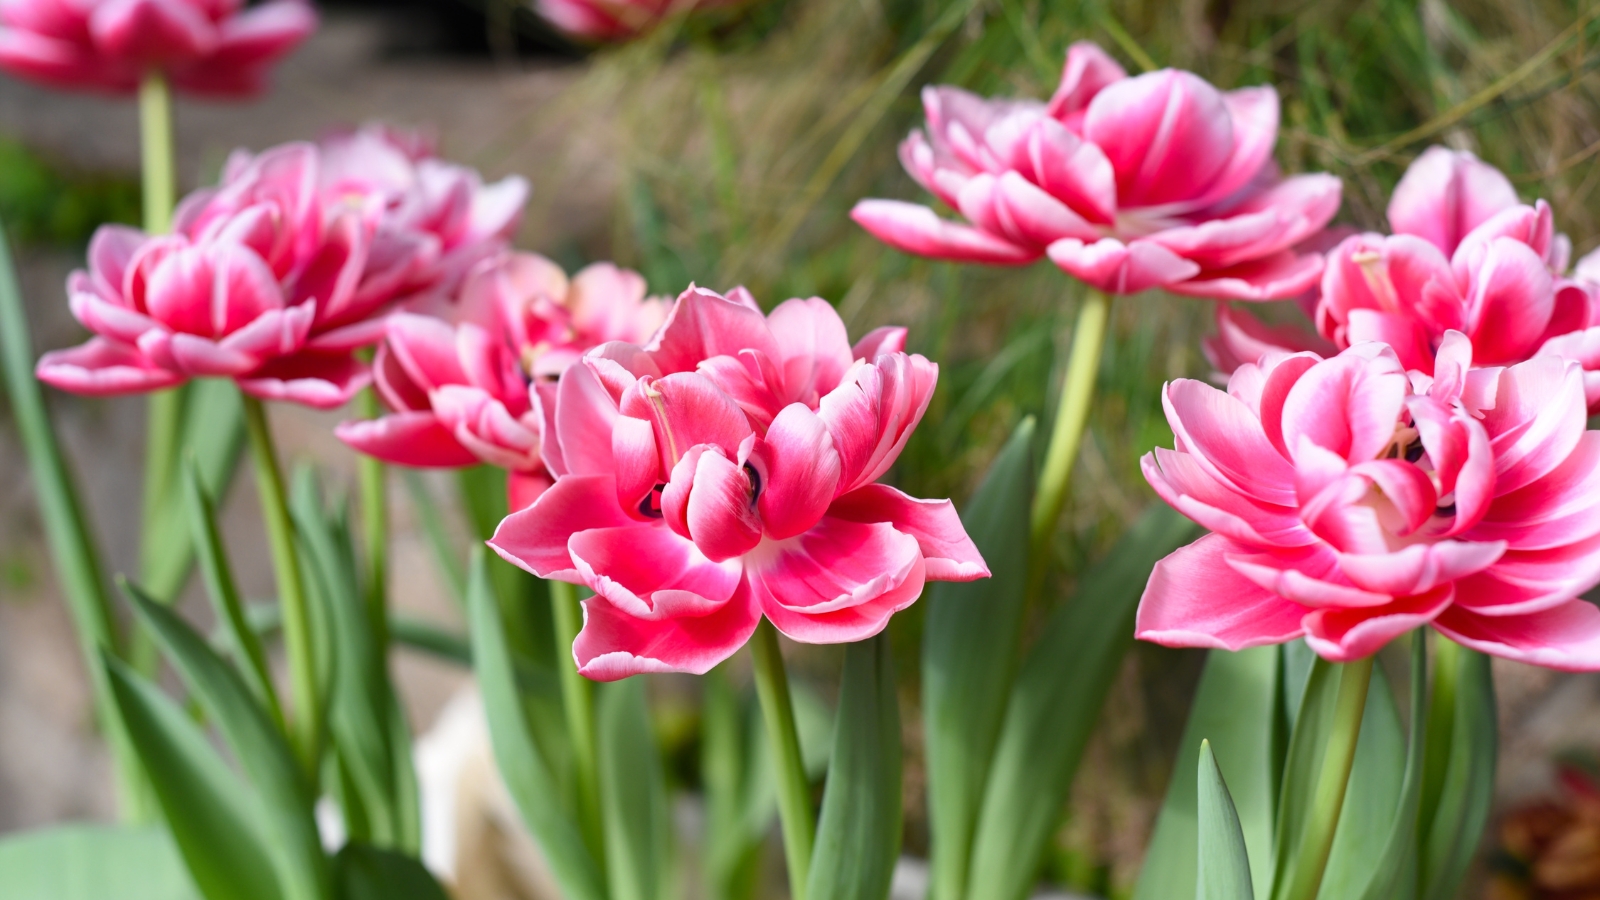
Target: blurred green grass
[(45, 203), (741, 148)]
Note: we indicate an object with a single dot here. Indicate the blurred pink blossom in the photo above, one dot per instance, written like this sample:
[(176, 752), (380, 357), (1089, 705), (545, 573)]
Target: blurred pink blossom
[(1351, 501), (601, 21), (466, 389), (1128, 183), (208, 47), (727, 471)]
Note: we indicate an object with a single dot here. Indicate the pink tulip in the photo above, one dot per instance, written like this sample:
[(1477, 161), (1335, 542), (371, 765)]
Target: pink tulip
[(1154, 181), (463, 390), (260, 281), (727, 470), (1350, 501), (440, 210), (207, 47), (598, 21)]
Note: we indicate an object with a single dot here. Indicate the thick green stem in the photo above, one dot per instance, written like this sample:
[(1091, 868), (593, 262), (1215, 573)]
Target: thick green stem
[(155, 144), (577, 699), (788, 766), (1077, 395), (303, 718), (375, 528), (1328, 801)]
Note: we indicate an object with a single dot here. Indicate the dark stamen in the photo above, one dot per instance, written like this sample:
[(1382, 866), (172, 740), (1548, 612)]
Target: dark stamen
[(755, 482), (1414, 451), (1445, 510), (650, 506)]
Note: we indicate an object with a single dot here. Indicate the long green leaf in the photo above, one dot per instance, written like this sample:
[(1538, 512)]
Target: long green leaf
[(1395, 872), (1235, 708), (213, 816), (215, 570), (858, 833), (1223, 863), (633, 794), (1054, 705), (1467, 786), (1372, 797), (730, 765), (521, 763), (77, 560), (94, 862), (969, 650), (286, 799), (1313, 722), (213, 437), (364, 872)]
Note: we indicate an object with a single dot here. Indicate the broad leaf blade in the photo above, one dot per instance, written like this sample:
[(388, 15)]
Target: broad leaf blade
[(365, 872), (633, 794), (1235, 708), (730, 764), (286, 798), (1307, 742), (1467, 786), (213, 436), (214, 817), (969, 649), (521, 763), (1223, 869), (94, 862), (1372, 797), (858, 834), (1395, 873), (1054, 705)]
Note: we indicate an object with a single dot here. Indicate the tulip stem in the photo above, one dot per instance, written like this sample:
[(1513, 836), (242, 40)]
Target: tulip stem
[(1328, 802), (577, 700), (156, 152), (375, 528), (303, 728), (1077, 393), (794, 788)]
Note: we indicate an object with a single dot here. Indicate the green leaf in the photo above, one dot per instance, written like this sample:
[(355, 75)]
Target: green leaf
[(633, 796), (969, 650), (380, 806), (858, 833), (445, 554), (731, 770), (1395, 872), (521, 763), (1235, 708), (1466, 786), (285, 796), (72, 549), (1372, 797), (364, 872), (94, 862), (214, 816), (1054, 705), (213, 437), (1223, 863), (243, 642)]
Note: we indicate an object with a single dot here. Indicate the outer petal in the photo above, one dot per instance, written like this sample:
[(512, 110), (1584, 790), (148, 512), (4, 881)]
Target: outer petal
[(878, 341), (153, 33), (813, 346), (1445, 194), (649, 572), (1088, 71), (102, 368), (1119, 268), (1509, 304), (1342, 635), (407, 439), (1227, 441), (1283, 274), (1195, 599), (947, 551), (536, 538), (1254, 113), (1168, 134), (916, 229), (615, 645), (872, 414), (703, 324), (1566, 637), (312, 379), (1242, 338), (839, 582), (60, 63)]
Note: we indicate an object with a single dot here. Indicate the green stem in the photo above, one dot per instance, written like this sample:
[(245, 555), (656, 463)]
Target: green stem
[(577, 700), (155, 144), (375, 527), (1077, 394), (303, 728), (1328, 801), (794, 789)]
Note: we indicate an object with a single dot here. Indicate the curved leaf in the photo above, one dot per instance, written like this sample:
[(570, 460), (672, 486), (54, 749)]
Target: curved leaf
[(1466, 788), (969, 650), (1223, 864), (858, 834), (364, 872), (638, 823), (94, 862)]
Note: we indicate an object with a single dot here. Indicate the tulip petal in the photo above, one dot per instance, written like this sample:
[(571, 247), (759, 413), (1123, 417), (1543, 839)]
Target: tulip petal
[(1226, 440), (1196, 599), (536, 538), (102, 368), (947, 552), (1445, 194), (1119, 268), (917, 229), (703, 324), (406, 439), (317, 380), (1344, 635), (799, 472), (615, 645), (838, 582), (1566, 637)]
